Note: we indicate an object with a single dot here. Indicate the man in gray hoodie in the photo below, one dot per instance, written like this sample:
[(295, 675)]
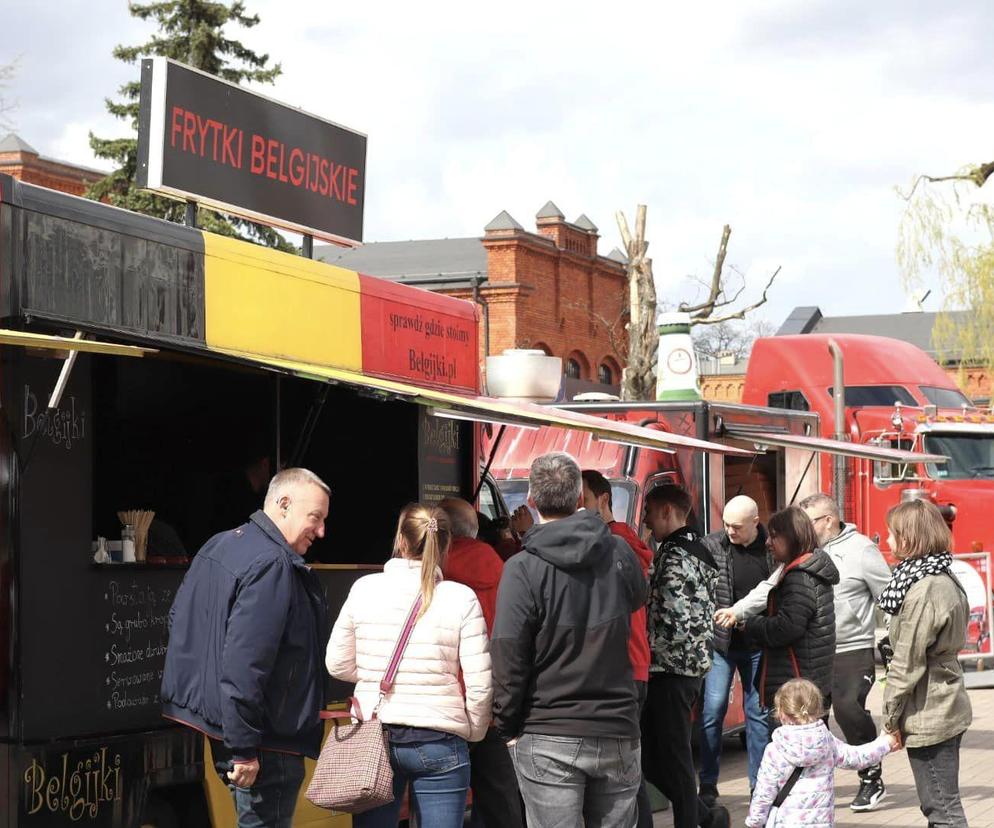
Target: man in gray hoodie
[(863, 574)]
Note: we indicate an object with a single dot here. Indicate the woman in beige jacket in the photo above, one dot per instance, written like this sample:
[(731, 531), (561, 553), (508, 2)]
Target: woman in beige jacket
[(925, 699), (428, 716)]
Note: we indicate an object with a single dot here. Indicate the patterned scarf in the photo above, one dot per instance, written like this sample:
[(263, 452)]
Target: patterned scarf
[(906, 574)]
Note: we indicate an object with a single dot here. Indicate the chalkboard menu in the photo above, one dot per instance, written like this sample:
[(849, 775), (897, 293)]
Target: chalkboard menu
[(92, 639)]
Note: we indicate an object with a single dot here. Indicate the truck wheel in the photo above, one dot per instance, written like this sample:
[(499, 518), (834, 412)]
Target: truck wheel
[(158, 814)]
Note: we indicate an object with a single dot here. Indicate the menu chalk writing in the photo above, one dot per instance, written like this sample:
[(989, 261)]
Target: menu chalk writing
[(136, 628)]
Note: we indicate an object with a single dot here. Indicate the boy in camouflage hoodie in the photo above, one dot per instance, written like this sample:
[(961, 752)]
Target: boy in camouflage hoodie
[(680, 611)]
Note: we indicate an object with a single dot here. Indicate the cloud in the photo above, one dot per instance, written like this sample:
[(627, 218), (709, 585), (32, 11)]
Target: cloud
[(791, 122)]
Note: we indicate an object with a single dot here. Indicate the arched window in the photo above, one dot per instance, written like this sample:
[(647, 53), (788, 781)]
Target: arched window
[(609, 372), (577, 366)]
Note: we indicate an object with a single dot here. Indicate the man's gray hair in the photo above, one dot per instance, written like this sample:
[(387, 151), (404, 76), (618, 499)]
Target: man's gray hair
[(555, 484), (821, 501), (287, 479), (460, 522)]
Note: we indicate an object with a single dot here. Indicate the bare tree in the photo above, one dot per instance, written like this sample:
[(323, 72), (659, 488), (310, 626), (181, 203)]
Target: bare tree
[(719, 297), (730, 337), (718, 307), (7, 72), (638, 379)]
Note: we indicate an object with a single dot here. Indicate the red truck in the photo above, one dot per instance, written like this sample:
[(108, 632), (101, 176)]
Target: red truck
[(896, 396)]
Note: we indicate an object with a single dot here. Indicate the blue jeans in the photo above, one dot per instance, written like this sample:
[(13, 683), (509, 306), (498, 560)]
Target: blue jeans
[(270, 802), (568, 781), (717, 686), (438, 773)]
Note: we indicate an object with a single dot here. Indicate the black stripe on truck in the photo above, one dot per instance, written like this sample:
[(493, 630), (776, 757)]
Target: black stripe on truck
[(84, 263)]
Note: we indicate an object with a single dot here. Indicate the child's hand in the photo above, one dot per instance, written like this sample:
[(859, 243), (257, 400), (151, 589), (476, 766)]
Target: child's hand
[(896, 743)]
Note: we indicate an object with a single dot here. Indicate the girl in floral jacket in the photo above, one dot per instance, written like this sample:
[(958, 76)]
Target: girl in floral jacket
[(803, 741)]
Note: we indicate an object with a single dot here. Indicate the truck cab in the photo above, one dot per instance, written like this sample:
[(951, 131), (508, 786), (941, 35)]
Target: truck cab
[(895, 396)]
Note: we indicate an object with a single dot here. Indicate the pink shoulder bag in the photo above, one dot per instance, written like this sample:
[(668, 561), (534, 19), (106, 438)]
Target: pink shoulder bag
[(353, 772)]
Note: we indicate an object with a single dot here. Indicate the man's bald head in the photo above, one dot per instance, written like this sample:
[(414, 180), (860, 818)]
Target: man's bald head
[(462, 516), (741, 519)]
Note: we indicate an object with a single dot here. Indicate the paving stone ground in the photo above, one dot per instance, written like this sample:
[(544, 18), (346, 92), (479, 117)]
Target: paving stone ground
[(900, 807)]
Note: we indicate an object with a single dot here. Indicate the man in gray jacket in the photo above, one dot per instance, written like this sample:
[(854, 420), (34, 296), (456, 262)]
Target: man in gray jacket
[(863, 574)]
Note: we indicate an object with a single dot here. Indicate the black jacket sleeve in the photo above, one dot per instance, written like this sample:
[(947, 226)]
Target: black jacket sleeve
[(512, 648), (795, 607)]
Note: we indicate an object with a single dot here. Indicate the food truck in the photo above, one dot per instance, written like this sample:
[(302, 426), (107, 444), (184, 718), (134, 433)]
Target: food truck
[(148, 367), (783, 467)]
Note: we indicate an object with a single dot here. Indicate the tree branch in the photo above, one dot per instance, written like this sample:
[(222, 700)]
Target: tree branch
[(739, 314), (976, 175), (719, 266)]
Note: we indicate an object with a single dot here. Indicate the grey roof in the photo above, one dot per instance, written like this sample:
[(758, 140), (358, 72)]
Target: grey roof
[(14, 143), (403, 260), (503, 221), (914, 327), (800, 321), (550, 210), (617, 256), (585, 223)]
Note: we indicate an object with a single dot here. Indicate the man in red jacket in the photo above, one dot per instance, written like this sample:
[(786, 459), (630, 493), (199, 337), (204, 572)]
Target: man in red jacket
[(597, 499), (474, 563)]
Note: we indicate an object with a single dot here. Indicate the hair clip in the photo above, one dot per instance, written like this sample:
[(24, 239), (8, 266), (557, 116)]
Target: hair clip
[(432, 524)]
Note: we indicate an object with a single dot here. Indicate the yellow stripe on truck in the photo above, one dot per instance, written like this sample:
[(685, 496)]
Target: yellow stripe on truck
[(264, 302)]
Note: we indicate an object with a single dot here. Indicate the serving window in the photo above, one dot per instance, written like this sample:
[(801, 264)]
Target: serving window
[(197, 443)]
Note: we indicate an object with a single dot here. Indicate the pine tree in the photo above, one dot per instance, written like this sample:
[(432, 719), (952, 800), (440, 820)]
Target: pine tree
[(190, 31)]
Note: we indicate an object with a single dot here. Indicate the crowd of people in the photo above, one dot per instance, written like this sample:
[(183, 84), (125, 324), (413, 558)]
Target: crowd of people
[(554, 681)]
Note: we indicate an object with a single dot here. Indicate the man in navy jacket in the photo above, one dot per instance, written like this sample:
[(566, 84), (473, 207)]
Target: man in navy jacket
[(247, 633)]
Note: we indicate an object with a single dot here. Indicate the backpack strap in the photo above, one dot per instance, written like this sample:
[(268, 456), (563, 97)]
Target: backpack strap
[(785, 790)]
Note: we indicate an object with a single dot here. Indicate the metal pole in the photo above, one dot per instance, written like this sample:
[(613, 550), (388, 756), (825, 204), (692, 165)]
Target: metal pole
[(307, 248), (839, 398), (490, 460), (191, 214)]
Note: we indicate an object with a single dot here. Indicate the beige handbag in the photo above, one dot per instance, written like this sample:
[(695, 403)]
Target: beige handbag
[(353, 772)]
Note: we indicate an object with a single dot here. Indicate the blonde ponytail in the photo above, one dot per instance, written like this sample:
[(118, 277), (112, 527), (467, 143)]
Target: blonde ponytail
[(424, 534)]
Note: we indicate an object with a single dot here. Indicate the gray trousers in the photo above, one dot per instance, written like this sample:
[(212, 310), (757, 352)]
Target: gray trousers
[(936, 772), (568, 781)]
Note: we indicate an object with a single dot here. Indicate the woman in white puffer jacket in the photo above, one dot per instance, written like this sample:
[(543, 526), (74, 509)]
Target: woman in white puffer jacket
[(428, 715)]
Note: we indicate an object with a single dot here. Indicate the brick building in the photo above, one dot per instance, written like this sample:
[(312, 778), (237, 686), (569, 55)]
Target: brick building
[(20, 160), (548, 289)]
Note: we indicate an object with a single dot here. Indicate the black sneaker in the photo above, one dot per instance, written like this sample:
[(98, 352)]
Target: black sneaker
[(708, 794), (871, 792), (720, 817)]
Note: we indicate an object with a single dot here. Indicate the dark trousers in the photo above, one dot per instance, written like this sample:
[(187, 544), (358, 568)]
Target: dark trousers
[(936, 772), (853, 674), (496, 799), (270, 802), (667, 756), (642, 799)]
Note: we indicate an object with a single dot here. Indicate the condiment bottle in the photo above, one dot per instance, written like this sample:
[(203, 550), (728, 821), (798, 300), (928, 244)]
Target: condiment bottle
[(128, 543)]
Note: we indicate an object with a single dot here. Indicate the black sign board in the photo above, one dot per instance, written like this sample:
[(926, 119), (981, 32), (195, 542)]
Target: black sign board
[(204, 139), (443, 457)]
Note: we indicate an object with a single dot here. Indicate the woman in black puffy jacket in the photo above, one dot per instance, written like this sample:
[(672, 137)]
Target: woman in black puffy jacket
[(797, 633)]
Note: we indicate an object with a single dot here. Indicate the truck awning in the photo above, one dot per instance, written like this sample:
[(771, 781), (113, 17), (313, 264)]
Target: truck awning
[(825, 445), (66, 343), (447, 404)]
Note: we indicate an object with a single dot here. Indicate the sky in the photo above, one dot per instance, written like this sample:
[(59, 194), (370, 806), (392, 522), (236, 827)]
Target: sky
[(793, 122)]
